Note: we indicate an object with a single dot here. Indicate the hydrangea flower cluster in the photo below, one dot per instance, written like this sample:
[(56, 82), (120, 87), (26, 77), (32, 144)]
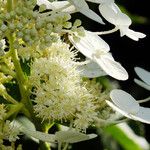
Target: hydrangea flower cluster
[(44, 79)]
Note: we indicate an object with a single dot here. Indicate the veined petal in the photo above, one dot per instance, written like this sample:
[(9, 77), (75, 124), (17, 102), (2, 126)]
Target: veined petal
[(90, 44), (124, 101), (83, 7), (111, 67), (91, 70), (143, 74)]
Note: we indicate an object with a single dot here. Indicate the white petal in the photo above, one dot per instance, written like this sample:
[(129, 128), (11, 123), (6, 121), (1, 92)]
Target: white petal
[(114, 107), (39, 135), (91, 70), (124, 101), (123, 30), (112, 67), (109, 12), (89, 44), (143, 115), (143, 74), (57, 5), (134, 35), (112, 13), (142, 84), (100, 1), (46, 3), (83, 7), (61, 4), (122, 19), (73, 136)]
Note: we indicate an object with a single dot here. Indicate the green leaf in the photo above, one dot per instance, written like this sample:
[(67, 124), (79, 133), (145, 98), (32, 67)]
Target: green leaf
[(126, 137)]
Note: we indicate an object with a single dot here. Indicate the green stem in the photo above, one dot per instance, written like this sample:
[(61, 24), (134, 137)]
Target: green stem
[(14, 110), (9, 98), (144, 100), (19, 73), (107, 32), (22, 81), (9, 5), (6, 70)]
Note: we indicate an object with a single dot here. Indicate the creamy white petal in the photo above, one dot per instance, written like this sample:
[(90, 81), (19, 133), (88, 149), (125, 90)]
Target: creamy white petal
[(62, 4), (57, 5), (90, 44), (83, 7), (91, 70), (134, 35), (109, 12), (122, 20), (143, 74), (124, 101), (111, 67)]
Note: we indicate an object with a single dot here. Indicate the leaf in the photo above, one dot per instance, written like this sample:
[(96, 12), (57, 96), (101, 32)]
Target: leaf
[(124, 135)]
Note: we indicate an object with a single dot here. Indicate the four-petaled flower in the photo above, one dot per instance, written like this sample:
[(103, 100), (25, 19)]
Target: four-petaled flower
[(111, 12), (97, 50), (125, 104)]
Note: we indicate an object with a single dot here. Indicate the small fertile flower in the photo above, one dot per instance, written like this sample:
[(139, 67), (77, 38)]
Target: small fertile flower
[(96, 49), (145, 76), (112, 13), (125, 104)]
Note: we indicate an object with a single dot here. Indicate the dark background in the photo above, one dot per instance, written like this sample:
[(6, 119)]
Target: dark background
[(128, 52)]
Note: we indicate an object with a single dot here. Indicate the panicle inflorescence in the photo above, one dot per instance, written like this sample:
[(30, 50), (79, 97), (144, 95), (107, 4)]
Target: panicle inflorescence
[(31, 27), (60, 94)]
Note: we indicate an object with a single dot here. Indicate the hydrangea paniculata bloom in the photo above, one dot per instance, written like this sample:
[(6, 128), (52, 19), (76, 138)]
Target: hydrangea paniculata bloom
[(96, 49), (59, 91), (125, 104)]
